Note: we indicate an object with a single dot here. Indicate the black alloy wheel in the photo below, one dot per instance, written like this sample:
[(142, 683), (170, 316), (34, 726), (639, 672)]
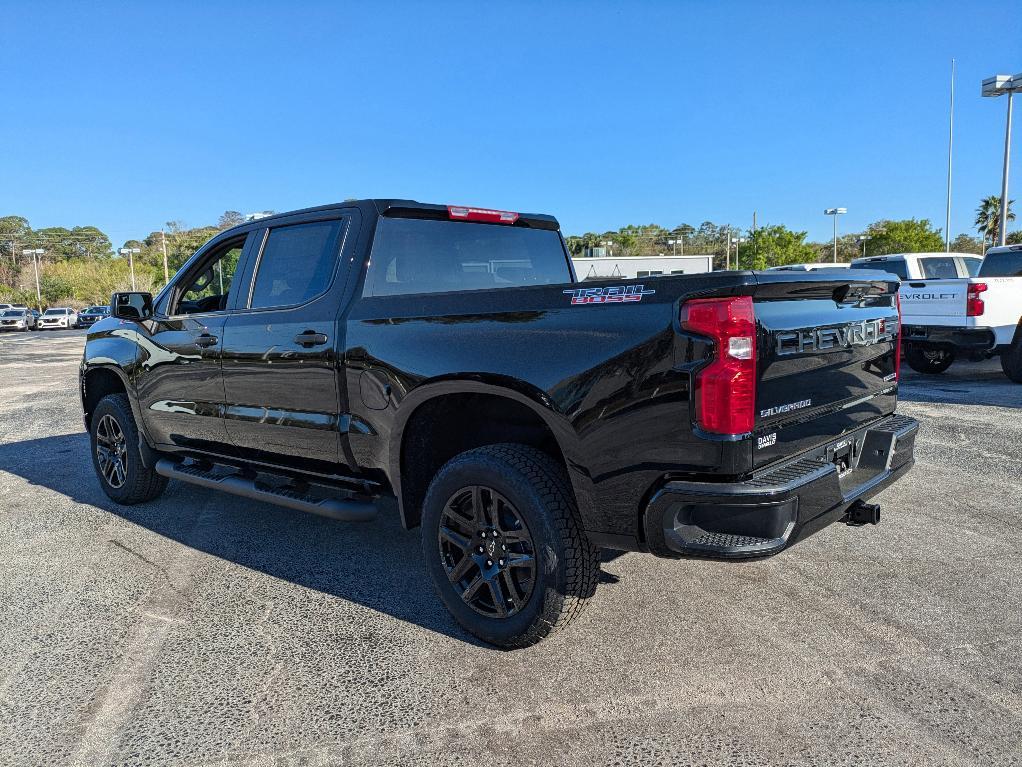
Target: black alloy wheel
[(504, 544), (487, 551), (116, 455), (111, 449)]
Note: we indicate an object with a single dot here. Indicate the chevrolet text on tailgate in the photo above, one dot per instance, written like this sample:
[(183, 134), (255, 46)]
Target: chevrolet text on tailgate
[(978, 317), (443, 363)]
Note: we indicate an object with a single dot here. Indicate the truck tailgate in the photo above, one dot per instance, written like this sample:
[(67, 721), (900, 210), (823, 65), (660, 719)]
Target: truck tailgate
[(826, 361), (933, 302)]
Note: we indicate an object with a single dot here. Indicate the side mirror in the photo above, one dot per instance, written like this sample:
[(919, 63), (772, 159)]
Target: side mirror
[(132, 306)]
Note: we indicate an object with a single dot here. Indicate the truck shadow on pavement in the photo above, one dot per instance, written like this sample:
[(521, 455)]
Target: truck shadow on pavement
[(981, 388), (375, 564)]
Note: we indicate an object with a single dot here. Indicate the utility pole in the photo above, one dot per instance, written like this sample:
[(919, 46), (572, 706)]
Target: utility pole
[(130, 253), (755, 250), (35, 262), (727, 250), (166, 272), (950, 145)]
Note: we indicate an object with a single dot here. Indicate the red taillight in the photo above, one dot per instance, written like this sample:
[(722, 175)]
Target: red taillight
[(974, 305), (897, 346), (482, 214), (725, 390)]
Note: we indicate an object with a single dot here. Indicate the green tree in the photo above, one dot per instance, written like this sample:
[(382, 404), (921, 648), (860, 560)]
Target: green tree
[(14, 234), (988, 218), (773, 246), (964, 243), (1014, 238), (908, 235)]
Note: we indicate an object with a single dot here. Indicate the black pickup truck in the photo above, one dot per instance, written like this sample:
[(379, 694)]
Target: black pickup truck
[(442, 362)]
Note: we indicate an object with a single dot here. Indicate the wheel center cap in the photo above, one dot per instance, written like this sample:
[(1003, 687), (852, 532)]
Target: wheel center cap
[(491, 546)]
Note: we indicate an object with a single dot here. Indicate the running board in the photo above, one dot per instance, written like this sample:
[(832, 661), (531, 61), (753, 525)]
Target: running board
[(348, 510)]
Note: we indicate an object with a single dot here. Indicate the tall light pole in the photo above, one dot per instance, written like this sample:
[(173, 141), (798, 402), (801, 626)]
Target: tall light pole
[(1000, 85), (862, 241), (35, 263), (950, 145), (835, 212), (130, 253), (738, 241)]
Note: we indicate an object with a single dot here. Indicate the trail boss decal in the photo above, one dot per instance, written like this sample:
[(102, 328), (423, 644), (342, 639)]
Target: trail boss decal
[(618, 294)]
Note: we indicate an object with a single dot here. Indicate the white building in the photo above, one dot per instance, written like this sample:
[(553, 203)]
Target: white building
[(630, 268)]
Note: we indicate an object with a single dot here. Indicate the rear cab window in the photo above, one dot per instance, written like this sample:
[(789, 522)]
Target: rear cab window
[(420, 255), (1008, 264), (895, 266), (939, 268)]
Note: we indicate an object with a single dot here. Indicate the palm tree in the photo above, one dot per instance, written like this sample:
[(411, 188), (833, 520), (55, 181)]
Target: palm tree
[(988, 218)]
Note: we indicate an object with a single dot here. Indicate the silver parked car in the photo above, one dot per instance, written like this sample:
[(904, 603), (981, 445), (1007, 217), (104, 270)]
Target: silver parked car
[(17, 319), (56, 318)]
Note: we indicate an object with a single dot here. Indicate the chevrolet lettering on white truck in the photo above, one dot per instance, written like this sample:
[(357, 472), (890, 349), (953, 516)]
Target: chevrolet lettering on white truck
[(977, 317)]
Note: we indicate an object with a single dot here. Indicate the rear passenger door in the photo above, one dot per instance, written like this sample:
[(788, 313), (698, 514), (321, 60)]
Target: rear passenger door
[(283, 402)]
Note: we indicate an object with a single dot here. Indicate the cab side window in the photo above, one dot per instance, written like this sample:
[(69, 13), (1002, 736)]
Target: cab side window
[(296, 264), (207, 290)]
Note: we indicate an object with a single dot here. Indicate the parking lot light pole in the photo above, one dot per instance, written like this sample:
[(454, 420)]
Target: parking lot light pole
[(1003, 85), (35, 263), (862, 241), (130, 253), (835, 212), (738, 241)]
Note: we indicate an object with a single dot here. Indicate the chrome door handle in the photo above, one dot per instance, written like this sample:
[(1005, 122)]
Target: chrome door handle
[(206, 340)]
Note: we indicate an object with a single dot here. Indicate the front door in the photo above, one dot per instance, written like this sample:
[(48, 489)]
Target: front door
[(280, 367), (178, 379)]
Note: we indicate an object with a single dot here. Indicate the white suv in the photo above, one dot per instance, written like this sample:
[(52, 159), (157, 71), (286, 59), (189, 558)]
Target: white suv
[(58, 318)]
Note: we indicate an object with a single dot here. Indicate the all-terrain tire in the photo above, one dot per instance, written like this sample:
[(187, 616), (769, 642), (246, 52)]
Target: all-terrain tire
[(140, 483), (929, 361), (566, 566)]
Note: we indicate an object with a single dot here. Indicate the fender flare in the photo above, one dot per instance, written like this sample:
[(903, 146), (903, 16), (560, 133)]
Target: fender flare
[(144, 442), (511, 389)]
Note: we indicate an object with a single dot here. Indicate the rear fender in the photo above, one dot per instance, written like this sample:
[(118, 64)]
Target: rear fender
[(515, 390)]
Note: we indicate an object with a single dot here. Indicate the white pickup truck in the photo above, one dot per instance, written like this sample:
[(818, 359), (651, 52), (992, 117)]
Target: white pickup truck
[(978, 317)]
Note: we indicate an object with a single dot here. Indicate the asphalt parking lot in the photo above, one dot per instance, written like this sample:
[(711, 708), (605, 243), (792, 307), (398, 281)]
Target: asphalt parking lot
[(203, 629)]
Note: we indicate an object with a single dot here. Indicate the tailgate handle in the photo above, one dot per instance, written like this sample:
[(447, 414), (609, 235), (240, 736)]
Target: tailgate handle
[(917, 284)]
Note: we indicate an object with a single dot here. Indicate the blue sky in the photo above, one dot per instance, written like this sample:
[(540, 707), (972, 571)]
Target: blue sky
[(127, 115)]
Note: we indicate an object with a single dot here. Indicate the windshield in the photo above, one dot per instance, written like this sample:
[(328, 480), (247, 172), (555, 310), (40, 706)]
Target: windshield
[(13, 313), (894, 266), (1008, 264), (97, 310), (55, 311), (972, 265)]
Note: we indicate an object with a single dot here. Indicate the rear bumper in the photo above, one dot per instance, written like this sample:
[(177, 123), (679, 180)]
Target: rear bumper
[(978, 339), (774, 508)]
